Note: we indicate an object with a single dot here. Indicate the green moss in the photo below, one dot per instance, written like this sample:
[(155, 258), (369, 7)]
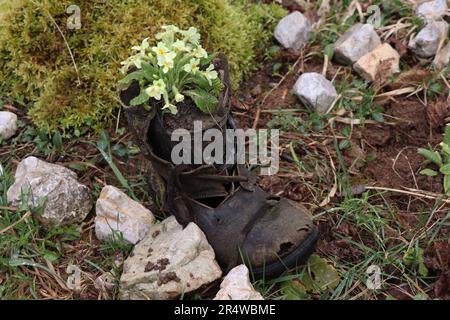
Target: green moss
[(35, 61)]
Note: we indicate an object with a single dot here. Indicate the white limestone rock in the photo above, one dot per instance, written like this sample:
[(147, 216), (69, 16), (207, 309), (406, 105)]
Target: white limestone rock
[(293, 31), (432, 10), (236, 286), (66, 201), (427, 41), (116, 212), (381, 63), (316, 91), (8, 124), (359, 40), (169, 261), (442, 58)]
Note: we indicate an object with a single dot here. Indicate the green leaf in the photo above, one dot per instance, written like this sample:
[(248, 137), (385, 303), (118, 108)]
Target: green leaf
[(446, 183), (447, 136), (344, 144), (329, 51), (420, 296), (77, 166), (142, 98), (378, 117), (432, 156), (137, 75), (445, 147), (294, 290), (428, 172), (201, 82), (445, 169), (149, 71), (321, 276), (276, 68), (51, 256), (414, 257), (57, 141), (205, 101)]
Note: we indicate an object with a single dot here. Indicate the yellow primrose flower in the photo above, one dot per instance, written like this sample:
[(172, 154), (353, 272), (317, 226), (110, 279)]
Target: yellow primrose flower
[(167, 61), (126, 65), (173, 109), (192, 66), (210, 73), (160, 50), (168, 36), (143, 47), (191, 35), (178, 96), (160, 84), (156, 90), (199, 53), (135, 60), (167, 65), (181, 46), (171, 28)]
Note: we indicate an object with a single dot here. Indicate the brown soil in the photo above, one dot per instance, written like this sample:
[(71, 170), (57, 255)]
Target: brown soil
[(397, 162), (187, 114), (393, 163)]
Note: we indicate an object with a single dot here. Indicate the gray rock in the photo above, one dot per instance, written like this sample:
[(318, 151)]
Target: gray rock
[(427, 41), (442, 58), (1, 169), (293, 31), (170, 261), (8, 124), (236, 286), (359, 40), (432, 10), (316, 91), (116, 212), (66, 201)]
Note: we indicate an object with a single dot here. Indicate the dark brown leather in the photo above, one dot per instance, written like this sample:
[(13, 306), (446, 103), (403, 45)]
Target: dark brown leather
[(245, 223)]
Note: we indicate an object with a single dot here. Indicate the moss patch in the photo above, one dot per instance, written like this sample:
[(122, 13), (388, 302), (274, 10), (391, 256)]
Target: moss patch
[(35, 61)]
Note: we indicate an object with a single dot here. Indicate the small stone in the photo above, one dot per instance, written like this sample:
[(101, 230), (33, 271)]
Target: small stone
[(427, 41), (8, 124), (293, 31), (65, 200), (236, 286), (432, 10), (381, 63), (442, 58), (356, 42), (116, 212), (316, 91), (177, 261)]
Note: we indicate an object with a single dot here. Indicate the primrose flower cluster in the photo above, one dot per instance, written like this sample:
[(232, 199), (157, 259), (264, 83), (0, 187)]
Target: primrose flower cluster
[(178, 66)]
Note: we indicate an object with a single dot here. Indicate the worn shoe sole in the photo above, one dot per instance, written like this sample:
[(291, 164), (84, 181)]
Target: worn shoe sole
[(292, 260)]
